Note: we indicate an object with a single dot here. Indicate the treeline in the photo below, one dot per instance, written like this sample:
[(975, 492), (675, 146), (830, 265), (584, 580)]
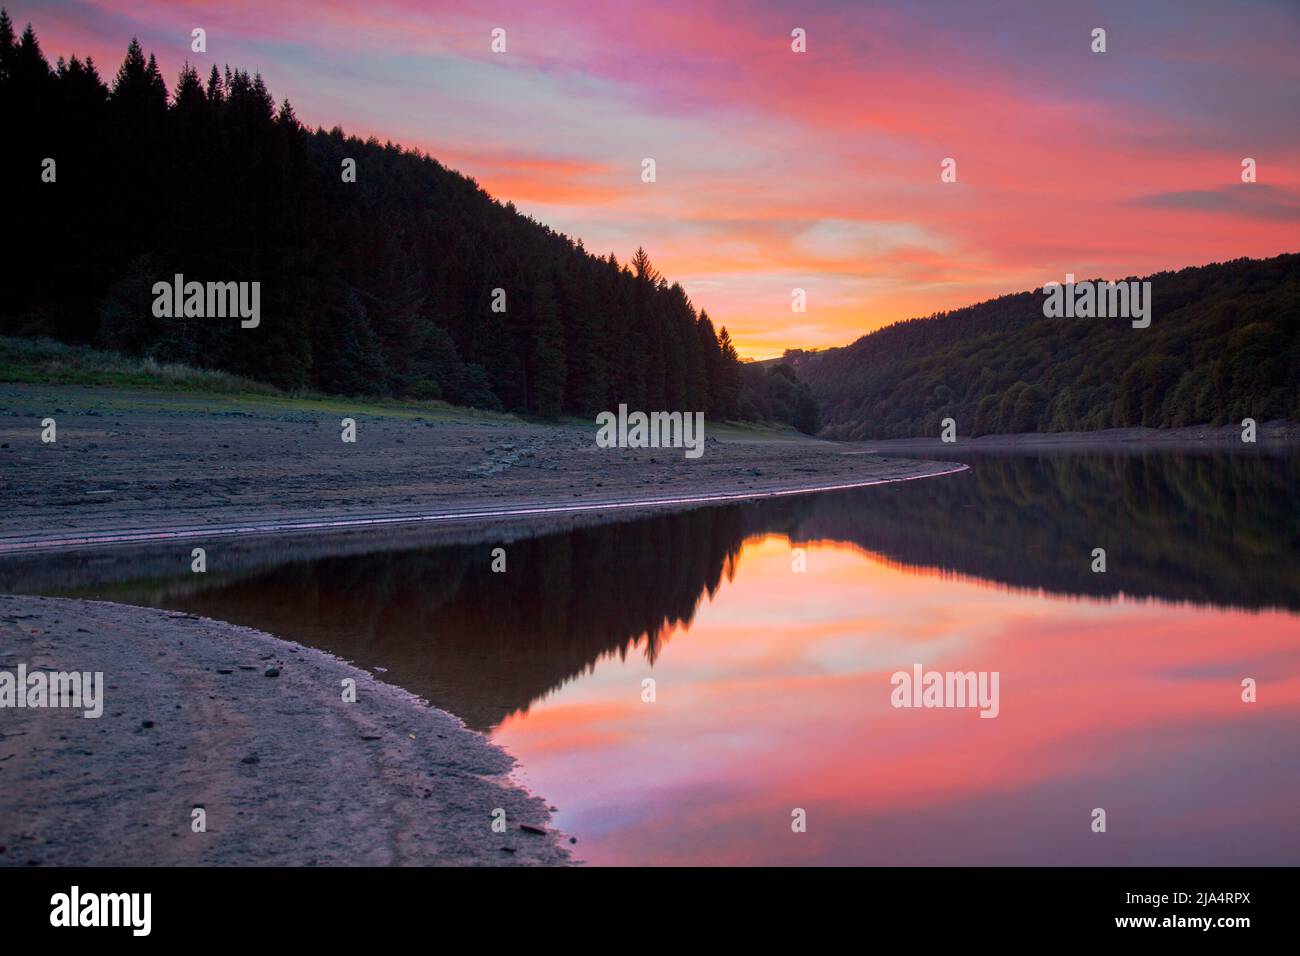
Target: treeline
[(382, 286), (468, 640), (1206, 527), (1223, 345), (771, 391)]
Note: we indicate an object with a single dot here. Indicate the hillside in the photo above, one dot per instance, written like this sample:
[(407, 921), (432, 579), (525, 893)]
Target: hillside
[(1223, 344), (404, 280)]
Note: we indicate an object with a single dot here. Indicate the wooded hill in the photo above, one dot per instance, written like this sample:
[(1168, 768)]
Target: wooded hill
[(382, 286), (1223, 345)]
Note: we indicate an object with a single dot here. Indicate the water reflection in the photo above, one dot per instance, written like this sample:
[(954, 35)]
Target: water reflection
[(779, 699), (778, 696)]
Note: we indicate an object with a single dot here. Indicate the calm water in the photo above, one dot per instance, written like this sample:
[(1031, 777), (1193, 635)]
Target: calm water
[(772, 686)]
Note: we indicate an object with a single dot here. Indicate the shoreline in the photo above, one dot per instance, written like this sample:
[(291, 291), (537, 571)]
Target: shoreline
[(287, 772), (1270, 435), (615, 508), (165, 466)]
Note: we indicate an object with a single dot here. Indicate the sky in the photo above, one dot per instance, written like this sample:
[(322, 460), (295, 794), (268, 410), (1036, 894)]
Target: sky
[(778, 170), (1130, 705)]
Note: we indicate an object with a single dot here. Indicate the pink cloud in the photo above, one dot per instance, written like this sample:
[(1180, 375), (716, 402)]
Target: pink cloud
[(1058, 150)]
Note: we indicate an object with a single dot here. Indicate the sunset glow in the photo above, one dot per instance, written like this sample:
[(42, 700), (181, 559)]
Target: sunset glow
[(778, 696), (820, 171)]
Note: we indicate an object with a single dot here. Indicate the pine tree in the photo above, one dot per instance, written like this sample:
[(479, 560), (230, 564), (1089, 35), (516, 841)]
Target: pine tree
[(642, 268), (189, 90), (263, 101), (286, 117), (7, 45), (216, 86), (29, 66), (134, 89), (729, 376), (712, 360), (157, 85)]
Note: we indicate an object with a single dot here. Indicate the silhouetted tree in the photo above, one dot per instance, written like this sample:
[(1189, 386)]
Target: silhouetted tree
[(378, 286)]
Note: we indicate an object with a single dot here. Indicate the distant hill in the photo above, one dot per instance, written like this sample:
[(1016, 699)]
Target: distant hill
[(405, 280), (1223, 344)]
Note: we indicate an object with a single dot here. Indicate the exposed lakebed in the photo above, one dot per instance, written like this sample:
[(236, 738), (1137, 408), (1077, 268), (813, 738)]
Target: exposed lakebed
[(771, 685)]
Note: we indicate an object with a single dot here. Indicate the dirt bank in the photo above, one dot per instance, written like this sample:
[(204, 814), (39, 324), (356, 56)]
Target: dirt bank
[(149, 461)]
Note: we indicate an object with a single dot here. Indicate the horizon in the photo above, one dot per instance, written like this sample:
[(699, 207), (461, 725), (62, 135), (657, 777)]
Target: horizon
[(558, 125)]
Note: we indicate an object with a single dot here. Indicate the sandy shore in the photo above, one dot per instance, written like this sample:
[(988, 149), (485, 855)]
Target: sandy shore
[(147, 462), (287, 772)]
